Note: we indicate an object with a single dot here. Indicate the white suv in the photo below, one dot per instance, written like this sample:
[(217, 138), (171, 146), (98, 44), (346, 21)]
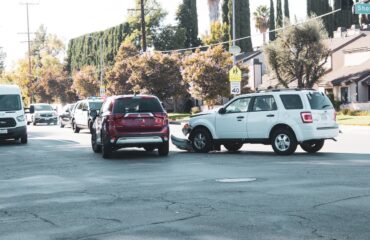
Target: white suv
[(282, 118)]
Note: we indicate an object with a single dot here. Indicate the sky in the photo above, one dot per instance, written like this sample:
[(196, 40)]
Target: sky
[(72, 18)]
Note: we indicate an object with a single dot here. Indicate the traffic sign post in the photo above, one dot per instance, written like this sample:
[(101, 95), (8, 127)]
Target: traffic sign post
[(235, 88), (362, 8), (102, 91), (235, 78)]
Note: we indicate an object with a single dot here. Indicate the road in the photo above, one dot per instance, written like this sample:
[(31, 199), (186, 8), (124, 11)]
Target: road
[(57, 188)]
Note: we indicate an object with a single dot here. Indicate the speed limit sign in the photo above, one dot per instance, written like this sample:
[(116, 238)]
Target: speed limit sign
[(235, 88)]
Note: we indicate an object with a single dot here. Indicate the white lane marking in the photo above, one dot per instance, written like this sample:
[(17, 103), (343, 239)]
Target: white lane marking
[(235, 180)]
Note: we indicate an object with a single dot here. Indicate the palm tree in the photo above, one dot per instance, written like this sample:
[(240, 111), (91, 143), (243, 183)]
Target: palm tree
[(262, 20), (214, 6)]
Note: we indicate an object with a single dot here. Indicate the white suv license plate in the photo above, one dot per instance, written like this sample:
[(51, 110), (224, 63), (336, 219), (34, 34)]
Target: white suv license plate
[(3, 131), (324, 117)]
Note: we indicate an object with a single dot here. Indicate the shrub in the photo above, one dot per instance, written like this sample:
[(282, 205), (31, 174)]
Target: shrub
[(195, 110)]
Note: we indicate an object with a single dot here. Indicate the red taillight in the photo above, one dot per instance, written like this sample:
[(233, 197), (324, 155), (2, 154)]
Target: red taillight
[(161, 119), (306, 117)]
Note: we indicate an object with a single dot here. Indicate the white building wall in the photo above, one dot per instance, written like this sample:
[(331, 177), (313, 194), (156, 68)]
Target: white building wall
[(356, 58)]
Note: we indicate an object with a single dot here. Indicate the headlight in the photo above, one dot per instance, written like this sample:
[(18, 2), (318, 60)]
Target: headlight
[(20, 118), (54, 114), (37, 114)]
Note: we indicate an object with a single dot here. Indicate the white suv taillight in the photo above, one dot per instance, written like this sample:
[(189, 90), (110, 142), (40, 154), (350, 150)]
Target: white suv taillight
[(335, 116), (306, 117)]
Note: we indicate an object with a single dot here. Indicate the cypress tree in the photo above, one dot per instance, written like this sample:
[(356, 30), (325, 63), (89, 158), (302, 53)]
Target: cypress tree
[(242, 24), (286, 9), (272, 35), (188, 20), (279, 14), (225, 11)]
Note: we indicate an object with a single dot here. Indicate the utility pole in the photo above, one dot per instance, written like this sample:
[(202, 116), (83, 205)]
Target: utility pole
[(29, 45), (142, 24), (143, 31)]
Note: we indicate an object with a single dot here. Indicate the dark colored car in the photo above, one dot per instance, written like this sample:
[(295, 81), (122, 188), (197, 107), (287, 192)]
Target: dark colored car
[(65, 118), (131, 121)]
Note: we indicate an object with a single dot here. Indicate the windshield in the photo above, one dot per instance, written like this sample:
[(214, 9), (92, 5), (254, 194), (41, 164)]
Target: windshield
[(319, 101), (43, 108), (10, 103), (95, 105), (137, 105)]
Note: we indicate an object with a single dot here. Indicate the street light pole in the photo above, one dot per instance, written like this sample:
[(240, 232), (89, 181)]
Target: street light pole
[(234, 57)]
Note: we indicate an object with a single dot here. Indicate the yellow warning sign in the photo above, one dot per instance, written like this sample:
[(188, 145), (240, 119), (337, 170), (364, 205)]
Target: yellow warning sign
[(235, 74)]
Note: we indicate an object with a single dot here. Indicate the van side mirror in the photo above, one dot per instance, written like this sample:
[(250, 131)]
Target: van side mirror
[(32, 109), (222, 111)]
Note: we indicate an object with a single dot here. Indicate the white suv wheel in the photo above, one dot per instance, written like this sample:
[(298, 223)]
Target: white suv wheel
[(282, 142)]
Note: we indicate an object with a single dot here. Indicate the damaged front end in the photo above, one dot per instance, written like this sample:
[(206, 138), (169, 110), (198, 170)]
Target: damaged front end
[(180, 143)]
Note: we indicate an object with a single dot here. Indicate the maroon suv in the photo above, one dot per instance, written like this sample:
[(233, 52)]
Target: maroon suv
[(131, 121)]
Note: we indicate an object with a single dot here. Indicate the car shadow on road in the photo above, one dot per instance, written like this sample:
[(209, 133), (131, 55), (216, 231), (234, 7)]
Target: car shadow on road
[(136, 154)]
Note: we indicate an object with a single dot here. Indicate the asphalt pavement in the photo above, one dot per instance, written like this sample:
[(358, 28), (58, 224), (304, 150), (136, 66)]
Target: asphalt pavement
[(55, 187)]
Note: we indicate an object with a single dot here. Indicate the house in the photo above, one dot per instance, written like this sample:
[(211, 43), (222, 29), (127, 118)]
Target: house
[(348, 76), (257, 67)]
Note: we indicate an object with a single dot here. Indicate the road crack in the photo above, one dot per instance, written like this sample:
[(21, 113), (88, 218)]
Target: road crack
[(42, 219), (340, 200)]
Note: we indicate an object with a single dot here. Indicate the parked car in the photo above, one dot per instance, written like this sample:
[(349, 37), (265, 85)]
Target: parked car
[(282, 118), (12, 120), (42, 113), (84, 112), (65, 117), (131, 121)]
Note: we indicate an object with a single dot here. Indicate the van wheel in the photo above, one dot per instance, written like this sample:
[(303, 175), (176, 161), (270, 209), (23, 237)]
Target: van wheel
[(164, 149), (284, 142), (75, 128), (233, 147), (34, 123), (201, 140), (24, 139), (312, 146)]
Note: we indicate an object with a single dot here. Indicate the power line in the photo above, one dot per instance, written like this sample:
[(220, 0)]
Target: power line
[(242, 38)]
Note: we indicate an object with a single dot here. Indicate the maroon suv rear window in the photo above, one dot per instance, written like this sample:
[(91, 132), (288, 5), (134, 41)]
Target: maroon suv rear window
[(137, 105)]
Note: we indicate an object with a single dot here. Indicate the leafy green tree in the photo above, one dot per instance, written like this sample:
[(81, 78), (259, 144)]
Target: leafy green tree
[(158, 74), (320, 7), (217, 33), (242, 24), (188, 19), (279, 14), (286, 9), (169, 38), (118, 76), (207, 73), (2, 60), (85, 82), (272, 35), (299, 54), (262, 20)]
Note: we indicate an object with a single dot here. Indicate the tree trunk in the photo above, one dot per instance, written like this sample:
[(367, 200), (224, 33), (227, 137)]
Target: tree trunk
[(264, 38)]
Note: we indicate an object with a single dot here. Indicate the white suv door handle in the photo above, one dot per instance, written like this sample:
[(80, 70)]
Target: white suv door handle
[(270, 115), (239, 118)]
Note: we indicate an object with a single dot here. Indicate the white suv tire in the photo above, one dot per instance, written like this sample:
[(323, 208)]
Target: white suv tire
[(284, 142), (201, 140)]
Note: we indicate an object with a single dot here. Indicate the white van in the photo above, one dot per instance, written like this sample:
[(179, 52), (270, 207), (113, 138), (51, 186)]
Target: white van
[(12, 119)]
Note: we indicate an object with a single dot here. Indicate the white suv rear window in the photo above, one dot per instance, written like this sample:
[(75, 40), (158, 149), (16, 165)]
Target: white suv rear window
[(319, 101)]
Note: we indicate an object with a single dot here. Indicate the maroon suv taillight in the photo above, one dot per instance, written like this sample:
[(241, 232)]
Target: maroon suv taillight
[(306, 117), (161, 119)]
